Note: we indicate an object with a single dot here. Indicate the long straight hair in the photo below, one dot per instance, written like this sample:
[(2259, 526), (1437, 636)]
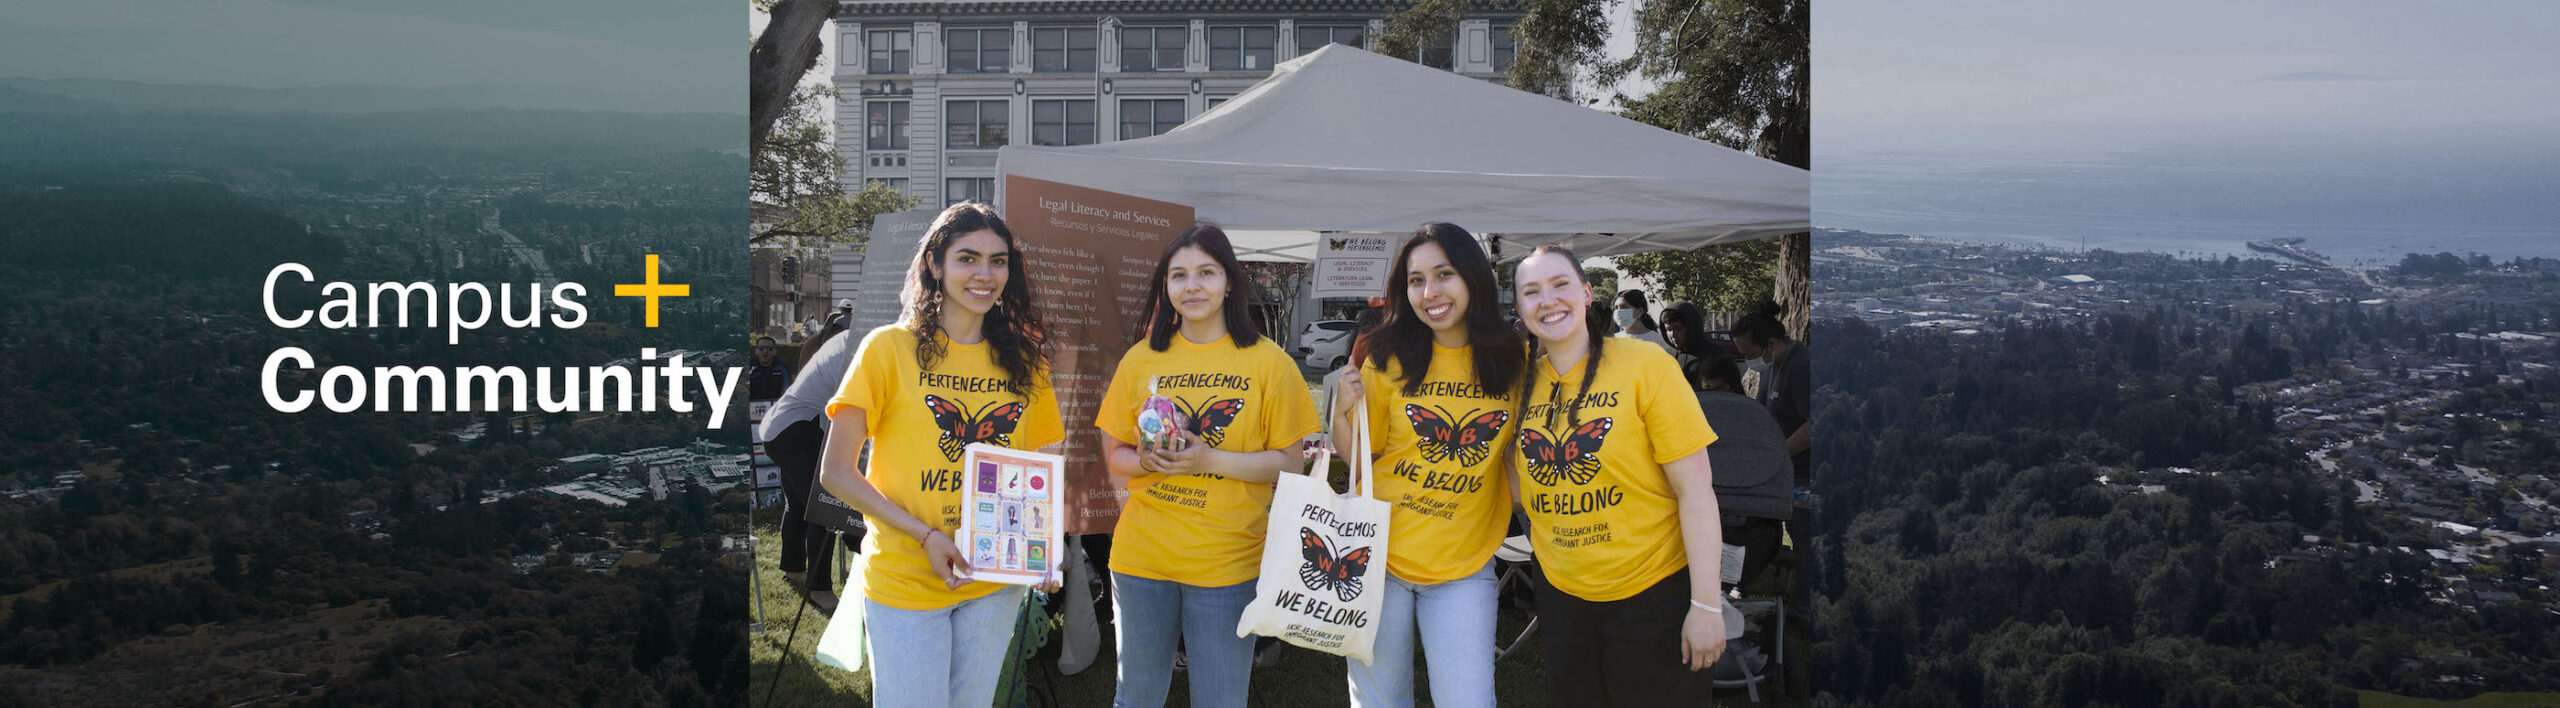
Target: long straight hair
[(1237, 309), (1013, 330), (1498, 353), (1538, 347), (1644, 311)]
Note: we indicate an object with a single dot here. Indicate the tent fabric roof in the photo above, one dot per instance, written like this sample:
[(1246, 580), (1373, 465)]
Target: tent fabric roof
[(1345, 140)]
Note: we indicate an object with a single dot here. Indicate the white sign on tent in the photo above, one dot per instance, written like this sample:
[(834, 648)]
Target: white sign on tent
[(1351, 265)]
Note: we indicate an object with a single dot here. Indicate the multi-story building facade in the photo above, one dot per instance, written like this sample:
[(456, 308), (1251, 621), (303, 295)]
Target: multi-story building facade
[(928, 89)]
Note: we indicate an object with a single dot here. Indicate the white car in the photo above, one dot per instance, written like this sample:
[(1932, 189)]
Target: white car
[(1325, 344)]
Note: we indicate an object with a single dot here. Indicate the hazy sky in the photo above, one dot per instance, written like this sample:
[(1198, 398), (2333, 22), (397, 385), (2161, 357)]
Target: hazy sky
[(689, 52), (2037, 75)]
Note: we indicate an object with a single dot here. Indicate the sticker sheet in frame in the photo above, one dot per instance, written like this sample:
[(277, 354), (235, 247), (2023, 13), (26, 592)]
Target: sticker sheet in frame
[(1009, 520)]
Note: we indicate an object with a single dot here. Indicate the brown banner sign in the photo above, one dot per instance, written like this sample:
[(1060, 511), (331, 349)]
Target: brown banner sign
[(1088, 253)]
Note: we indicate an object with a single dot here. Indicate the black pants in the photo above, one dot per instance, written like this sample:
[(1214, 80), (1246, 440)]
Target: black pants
[(1621, 653), (805, 546), (1759, 539)]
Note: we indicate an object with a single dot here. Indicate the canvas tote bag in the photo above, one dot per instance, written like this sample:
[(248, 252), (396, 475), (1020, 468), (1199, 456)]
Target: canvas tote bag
[(1324, 560)]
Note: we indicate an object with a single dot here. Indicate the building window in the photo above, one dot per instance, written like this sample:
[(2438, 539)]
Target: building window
[(1062, 122), (1242, 48), (1441, 53), (1504, 46), (1148, 117), (978, 50), (897, 184), (1314, 37), (885, 125), (974, 125), (1215, 101), (969, 189), (892, 51), (1062, 49), (1153, 48)]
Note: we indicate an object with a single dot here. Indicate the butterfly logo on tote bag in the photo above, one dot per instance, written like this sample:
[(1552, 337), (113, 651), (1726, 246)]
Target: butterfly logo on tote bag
[(1577, 459), (1327, 570), (991, 424), (1210, 421), (1440, 440)]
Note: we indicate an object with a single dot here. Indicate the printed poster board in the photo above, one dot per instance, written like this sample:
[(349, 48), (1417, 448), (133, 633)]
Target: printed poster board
[(768, 475), (828, 511), (1010, 514), (886, 255), (1088, 253)]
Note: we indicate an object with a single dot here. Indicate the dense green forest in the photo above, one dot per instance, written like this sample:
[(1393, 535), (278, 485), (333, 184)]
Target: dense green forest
[(2102, 512)]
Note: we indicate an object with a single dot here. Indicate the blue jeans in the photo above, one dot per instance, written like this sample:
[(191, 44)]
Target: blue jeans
[(945, 658), (1153, 616), (1455, 621)]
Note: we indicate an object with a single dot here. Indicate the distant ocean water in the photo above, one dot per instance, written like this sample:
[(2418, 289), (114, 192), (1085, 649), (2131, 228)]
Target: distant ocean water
[(2364, 209)]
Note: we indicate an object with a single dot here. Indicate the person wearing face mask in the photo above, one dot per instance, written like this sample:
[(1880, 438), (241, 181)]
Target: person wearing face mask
[(1613, 472), (965, 363), (1635, 321), (1788, 387), (1188, 546)]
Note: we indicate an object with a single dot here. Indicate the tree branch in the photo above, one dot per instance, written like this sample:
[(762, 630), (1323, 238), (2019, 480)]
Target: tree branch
[(784, 53)]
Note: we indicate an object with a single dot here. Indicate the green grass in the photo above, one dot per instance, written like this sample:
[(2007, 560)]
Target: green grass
[(1303, 678), (2493, 699), (803, 680)]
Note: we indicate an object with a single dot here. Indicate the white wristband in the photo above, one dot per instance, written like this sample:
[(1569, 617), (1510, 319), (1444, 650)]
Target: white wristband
[(1716, 609)]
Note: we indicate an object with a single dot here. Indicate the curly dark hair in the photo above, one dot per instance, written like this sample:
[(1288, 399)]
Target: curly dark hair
[(1018, 336)]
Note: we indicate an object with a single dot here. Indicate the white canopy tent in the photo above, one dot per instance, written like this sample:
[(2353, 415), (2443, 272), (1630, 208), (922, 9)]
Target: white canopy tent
[(1348, 141)]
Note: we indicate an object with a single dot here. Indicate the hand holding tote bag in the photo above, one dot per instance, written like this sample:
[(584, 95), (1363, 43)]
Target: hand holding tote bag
[(1324, 560)]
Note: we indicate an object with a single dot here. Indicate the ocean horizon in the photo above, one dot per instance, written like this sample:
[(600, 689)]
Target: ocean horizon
[(2367, 210)]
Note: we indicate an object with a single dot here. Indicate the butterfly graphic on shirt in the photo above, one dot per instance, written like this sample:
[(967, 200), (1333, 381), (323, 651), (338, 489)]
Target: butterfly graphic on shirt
[(1577, 459), (1210, 421), (1440, 439), (1327, 570), (992, 423)]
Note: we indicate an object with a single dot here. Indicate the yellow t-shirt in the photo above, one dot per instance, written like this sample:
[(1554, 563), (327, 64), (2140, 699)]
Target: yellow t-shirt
[(919, 422), (1601, 512), (1440, 464), (1204, 530)]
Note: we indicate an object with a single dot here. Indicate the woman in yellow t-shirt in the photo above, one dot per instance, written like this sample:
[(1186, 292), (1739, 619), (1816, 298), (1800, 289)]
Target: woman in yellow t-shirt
[(1189, 542), (964, 364), (1612, 470), (1437, 380)]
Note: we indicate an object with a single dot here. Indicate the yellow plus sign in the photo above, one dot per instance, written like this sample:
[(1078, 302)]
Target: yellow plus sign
[(651, 290)]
